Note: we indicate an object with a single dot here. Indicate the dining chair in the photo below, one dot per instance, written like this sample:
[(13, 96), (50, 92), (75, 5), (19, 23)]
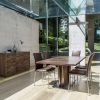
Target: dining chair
[(75, 53), (45, 55), (41, 68), (88, 53), (85, 72)]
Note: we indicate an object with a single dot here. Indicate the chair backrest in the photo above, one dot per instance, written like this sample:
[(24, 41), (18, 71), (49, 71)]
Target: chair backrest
[(88, 52), (76, 53), (37, 57), (45, 55), (90, 63)]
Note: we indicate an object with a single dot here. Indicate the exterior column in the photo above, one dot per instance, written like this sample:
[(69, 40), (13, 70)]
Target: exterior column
[(90, 31), (77, 37)]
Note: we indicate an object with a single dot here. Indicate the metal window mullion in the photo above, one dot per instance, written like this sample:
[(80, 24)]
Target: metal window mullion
[(30, 5), (47, 24)]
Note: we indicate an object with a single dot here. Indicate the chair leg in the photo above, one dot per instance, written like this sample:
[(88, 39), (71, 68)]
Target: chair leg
[(73, 81), (99, 79), (69, 82), (88, 86), (48, 79), (42, 76), (90, 79), (34, 77), (77, 79), (91, 76), (45, 75), (54, 75)]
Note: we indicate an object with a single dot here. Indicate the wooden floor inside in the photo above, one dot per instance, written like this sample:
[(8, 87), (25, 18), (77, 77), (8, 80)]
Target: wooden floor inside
[(21, 87)]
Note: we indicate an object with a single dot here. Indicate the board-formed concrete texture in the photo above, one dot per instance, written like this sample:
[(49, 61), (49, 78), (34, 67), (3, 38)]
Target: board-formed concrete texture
[(16, 28)]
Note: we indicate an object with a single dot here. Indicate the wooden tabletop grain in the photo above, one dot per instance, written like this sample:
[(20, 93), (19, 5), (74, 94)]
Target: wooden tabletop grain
[(62, 60)]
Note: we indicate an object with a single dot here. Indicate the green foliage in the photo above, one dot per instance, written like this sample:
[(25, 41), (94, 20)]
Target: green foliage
[(64, 49), (62, 42), (51, 39), (97, 46), (42, 38), (97, 24), (51, 34)]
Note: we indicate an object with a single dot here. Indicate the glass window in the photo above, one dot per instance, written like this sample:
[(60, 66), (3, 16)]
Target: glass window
[(97, 36), (57, 36)]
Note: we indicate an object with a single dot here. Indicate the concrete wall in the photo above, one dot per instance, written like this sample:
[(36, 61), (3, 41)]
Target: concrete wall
[(15, 28)]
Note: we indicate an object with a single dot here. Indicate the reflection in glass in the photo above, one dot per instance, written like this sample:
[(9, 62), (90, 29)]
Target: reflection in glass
[(57, 36), (97, 36)]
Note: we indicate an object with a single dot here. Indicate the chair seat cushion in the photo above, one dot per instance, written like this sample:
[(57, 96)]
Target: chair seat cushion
[(78, 71), (47, 68), (81, 67)]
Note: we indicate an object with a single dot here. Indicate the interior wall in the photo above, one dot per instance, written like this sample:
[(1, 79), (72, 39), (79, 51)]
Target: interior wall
[(18, 30)]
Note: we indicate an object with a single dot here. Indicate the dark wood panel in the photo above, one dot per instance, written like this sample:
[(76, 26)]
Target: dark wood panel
[(13, 63), (22, 62)]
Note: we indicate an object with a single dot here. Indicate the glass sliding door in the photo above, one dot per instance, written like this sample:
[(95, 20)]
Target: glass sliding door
[(57, 36), (48, 44), (63, 43), (52, 36), (42, 35)]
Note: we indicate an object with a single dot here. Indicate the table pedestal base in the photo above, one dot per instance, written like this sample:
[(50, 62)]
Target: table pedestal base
[(64, 76)]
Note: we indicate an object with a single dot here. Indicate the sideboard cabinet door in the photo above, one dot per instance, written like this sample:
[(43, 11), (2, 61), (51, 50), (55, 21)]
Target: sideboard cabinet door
[(22, 61)]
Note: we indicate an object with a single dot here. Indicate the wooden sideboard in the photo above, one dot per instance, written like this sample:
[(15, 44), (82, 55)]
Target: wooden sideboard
[(13, 63)]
